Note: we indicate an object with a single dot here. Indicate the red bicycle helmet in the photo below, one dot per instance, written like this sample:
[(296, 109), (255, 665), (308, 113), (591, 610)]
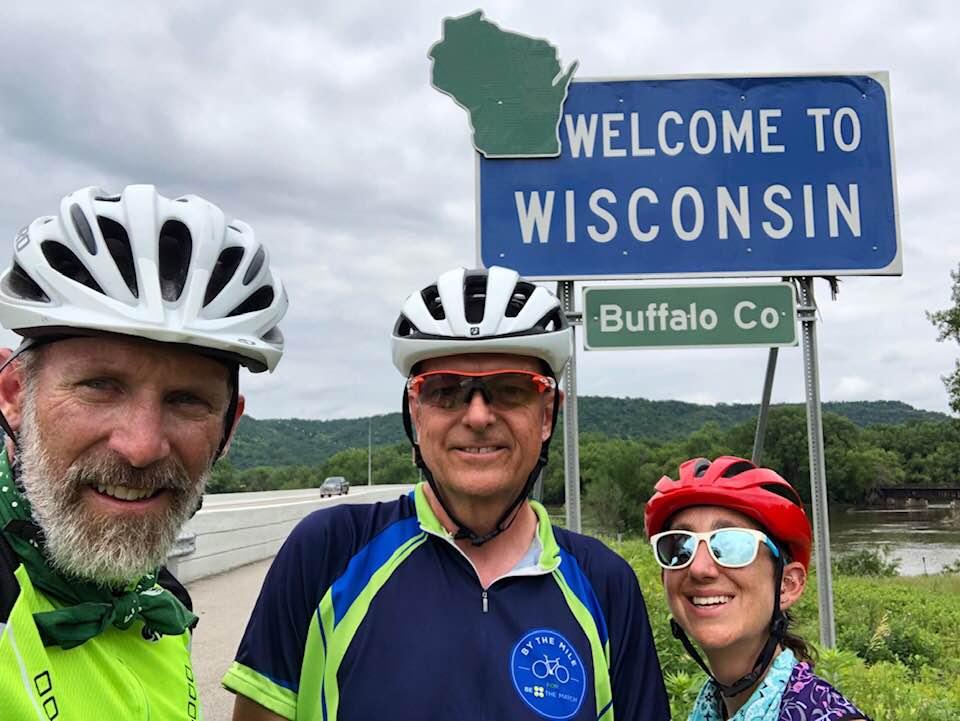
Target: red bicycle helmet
[(735, 483)]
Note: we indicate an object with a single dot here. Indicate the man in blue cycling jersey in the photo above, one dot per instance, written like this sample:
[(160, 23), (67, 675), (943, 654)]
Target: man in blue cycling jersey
[(136, 312), (459, 600)]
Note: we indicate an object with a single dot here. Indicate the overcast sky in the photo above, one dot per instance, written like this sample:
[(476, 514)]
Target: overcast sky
[(316, 123)]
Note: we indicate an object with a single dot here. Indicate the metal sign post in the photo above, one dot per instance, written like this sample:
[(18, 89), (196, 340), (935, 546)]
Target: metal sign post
[(761, 431), (807, 312), (571, 435)]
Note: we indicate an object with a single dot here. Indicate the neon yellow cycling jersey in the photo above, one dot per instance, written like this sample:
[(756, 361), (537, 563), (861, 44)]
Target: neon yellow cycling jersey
[(115, 676)]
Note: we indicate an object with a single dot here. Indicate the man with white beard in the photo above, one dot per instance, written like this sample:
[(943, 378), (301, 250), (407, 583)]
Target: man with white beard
[(136, 312)]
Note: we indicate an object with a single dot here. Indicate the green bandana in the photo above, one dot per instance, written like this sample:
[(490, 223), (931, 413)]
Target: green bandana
[(88, 609)]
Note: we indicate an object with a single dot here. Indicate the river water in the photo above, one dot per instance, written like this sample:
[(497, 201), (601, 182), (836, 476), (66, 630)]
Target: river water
[(923, 540)]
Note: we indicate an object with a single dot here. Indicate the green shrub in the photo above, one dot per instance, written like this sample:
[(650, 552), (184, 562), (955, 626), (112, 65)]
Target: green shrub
[(951, 569), (867, 562)]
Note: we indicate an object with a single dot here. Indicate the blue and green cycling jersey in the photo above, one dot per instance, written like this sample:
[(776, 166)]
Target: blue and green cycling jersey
[(372, 612)]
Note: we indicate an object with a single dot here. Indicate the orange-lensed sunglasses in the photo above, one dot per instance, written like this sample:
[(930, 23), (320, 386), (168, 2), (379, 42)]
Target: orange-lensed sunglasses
[(501, 389)]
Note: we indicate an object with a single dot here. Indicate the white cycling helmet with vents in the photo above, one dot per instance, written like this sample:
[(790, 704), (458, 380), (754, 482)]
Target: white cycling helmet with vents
[(482, 311), (140, 264)]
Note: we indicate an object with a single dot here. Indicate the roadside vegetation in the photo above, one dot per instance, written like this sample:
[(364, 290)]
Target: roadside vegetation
[(618, 471)]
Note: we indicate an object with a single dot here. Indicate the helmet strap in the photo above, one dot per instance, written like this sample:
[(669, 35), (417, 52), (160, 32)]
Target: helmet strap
[(506, 518), (778, 627), (234, 370)]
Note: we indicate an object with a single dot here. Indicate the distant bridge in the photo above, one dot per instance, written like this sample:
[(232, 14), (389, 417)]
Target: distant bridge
[(880, 494)]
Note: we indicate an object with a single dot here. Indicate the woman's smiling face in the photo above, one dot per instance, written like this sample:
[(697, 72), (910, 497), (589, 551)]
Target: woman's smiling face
[(721, 608)]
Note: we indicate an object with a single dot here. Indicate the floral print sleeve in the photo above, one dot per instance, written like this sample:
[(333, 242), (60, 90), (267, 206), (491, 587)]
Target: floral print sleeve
[(809, 698)]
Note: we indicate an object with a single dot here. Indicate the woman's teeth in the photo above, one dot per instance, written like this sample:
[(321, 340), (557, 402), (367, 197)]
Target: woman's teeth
[(709, 600)]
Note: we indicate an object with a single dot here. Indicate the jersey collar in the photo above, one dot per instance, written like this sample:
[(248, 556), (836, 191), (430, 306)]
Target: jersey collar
[(549, 558)]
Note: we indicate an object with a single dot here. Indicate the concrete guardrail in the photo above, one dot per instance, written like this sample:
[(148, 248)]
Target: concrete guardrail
[(234, 529)]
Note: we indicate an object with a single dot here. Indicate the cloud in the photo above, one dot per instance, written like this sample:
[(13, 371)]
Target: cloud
[(316, 124)]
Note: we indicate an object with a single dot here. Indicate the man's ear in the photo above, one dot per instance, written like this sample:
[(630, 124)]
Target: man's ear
[(241, 402), (792, 585), (11, 390)]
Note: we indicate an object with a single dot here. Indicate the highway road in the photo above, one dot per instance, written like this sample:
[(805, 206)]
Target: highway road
[(223, 602), (221, 502), (234, 529)]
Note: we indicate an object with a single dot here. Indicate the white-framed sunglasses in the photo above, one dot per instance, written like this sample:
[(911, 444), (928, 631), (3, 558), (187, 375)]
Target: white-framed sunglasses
[(728, 547)]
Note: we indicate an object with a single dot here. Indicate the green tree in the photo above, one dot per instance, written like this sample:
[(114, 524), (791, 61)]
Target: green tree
[(947, 322), (225, 479), (852, 472)]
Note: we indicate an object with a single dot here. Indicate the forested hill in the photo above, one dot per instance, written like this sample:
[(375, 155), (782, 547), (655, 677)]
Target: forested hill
[(293, 441)]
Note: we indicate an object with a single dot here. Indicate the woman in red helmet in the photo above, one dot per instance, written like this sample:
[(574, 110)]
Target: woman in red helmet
[(731, 593)]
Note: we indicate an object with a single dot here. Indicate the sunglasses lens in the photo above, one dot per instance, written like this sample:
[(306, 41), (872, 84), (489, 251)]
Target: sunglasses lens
[(733, 547), (675, 549), (511, 390), (503, 391), (442, 390)]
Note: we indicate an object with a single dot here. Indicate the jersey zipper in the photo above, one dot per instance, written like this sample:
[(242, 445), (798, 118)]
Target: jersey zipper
[(483, 597)]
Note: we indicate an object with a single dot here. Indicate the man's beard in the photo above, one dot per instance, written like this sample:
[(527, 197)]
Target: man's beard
[(111, 550)]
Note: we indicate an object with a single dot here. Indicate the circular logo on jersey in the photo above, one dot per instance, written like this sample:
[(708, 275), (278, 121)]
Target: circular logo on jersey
[(548, 674)]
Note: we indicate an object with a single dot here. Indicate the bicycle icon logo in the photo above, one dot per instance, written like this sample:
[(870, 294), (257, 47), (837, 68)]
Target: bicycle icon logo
[(542, 668), (548, 674)]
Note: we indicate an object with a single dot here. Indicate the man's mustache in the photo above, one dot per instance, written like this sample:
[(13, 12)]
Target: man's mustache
[(115, 471)]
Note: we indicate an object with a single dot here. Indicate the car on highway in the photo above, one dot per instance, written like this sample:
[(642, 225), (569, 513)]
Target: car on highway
[(334, 486)]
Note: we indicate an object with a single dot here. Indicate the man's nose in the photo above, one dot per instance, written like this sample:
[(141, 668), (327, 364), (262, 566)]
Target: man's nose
[(478, 413), (140, 435)]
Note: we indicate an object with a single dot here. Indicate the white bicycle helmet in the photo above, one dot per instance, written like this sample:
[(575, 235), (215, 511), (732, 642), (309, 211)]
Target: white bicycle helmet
[(482, 311), (140, 264)]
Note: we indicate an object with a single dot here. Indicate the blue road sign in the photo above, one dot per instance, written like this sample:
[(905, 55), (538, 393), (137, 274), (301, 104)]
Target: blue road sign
[(681, 177)]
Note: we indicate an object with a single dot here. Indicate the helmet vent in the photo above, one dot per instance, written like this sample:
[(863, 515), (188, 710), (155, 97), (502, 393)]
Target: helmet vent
[(63, 260), (255, 265), (82, 226), (261, 298), (431, 299), (521, 294), (176, 247), (272, 336), (551, 321), (700, 467), (474, 297), (109, 198), (224, 269), (404, 327), (118, 245), (784, 492), (735, 469), (20, 285)]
